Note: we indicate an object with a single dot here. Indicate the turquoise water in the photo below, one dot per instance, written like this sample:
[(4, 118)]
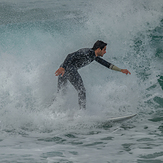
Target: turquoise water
[(35, 37)]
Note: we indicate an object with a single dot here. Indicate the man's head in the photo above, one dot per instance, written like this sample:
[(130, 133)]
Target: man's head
[(100, 48)]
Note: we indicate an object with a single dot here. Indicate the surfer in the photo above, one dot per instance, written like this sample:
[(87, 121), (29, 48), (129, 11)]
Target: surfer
[(68, 70)]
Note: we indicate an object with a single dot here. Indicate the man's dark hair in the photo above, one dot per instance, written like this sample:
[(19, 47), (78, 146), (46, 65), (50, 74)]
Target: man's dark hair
[(99, 44)]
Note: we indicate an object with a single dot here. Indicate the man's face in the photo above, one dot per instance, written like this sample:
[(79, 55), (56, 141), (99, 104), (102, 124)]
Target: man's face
[(102, 52)]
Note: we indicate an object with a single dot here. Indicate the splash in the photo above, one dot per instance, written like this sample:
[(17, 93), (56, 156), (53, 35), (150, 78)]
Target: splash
[(33, 47)]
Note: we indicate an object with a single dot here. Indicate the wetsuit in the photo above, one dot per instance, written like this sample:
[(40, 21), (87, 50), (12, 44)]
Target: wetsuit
[(71, 64)]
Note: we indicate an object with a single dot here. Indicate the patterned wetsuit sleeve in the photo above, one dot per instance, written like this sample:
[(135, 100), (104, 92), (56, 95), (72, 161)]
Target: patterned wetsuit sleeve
[(104, 63)]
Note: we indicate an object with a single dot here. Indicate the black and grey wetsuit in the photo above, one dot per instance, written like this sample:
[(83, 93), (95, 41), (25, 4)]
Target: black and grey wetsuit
[(71, 64)]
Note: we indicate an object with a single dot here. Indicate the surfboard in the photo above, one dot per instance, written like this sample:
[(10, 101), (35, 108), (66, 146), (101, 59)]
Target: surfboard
[(108, 123), (123, 118)]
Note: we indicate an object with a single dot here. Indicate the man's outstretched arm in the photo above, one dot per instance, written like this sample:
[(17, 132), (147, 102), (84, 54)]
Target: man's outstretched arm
[(111, 66), (125, 71)]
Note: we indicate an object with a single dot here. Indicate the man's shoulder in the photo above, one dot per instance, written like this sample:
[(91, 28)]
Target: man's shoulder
[(85, 50)]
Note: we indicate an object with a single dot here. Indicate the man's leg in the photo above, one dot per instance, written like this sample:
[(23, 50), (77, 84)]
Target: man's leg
[(76, 80), (62, 83)]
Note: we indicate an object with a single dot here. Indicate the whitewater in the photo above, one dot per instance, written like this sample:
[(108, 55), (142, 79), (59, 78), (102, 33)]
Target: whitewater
[(35, 38)]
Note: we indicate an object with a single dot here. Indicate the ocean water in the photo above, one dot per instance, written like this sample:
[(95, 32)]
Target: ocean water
[(36, 36)]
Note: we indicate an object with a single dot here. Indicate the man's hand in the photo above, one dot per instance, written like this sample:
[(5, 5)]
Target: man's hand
[(61, 70), (125, 71)]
